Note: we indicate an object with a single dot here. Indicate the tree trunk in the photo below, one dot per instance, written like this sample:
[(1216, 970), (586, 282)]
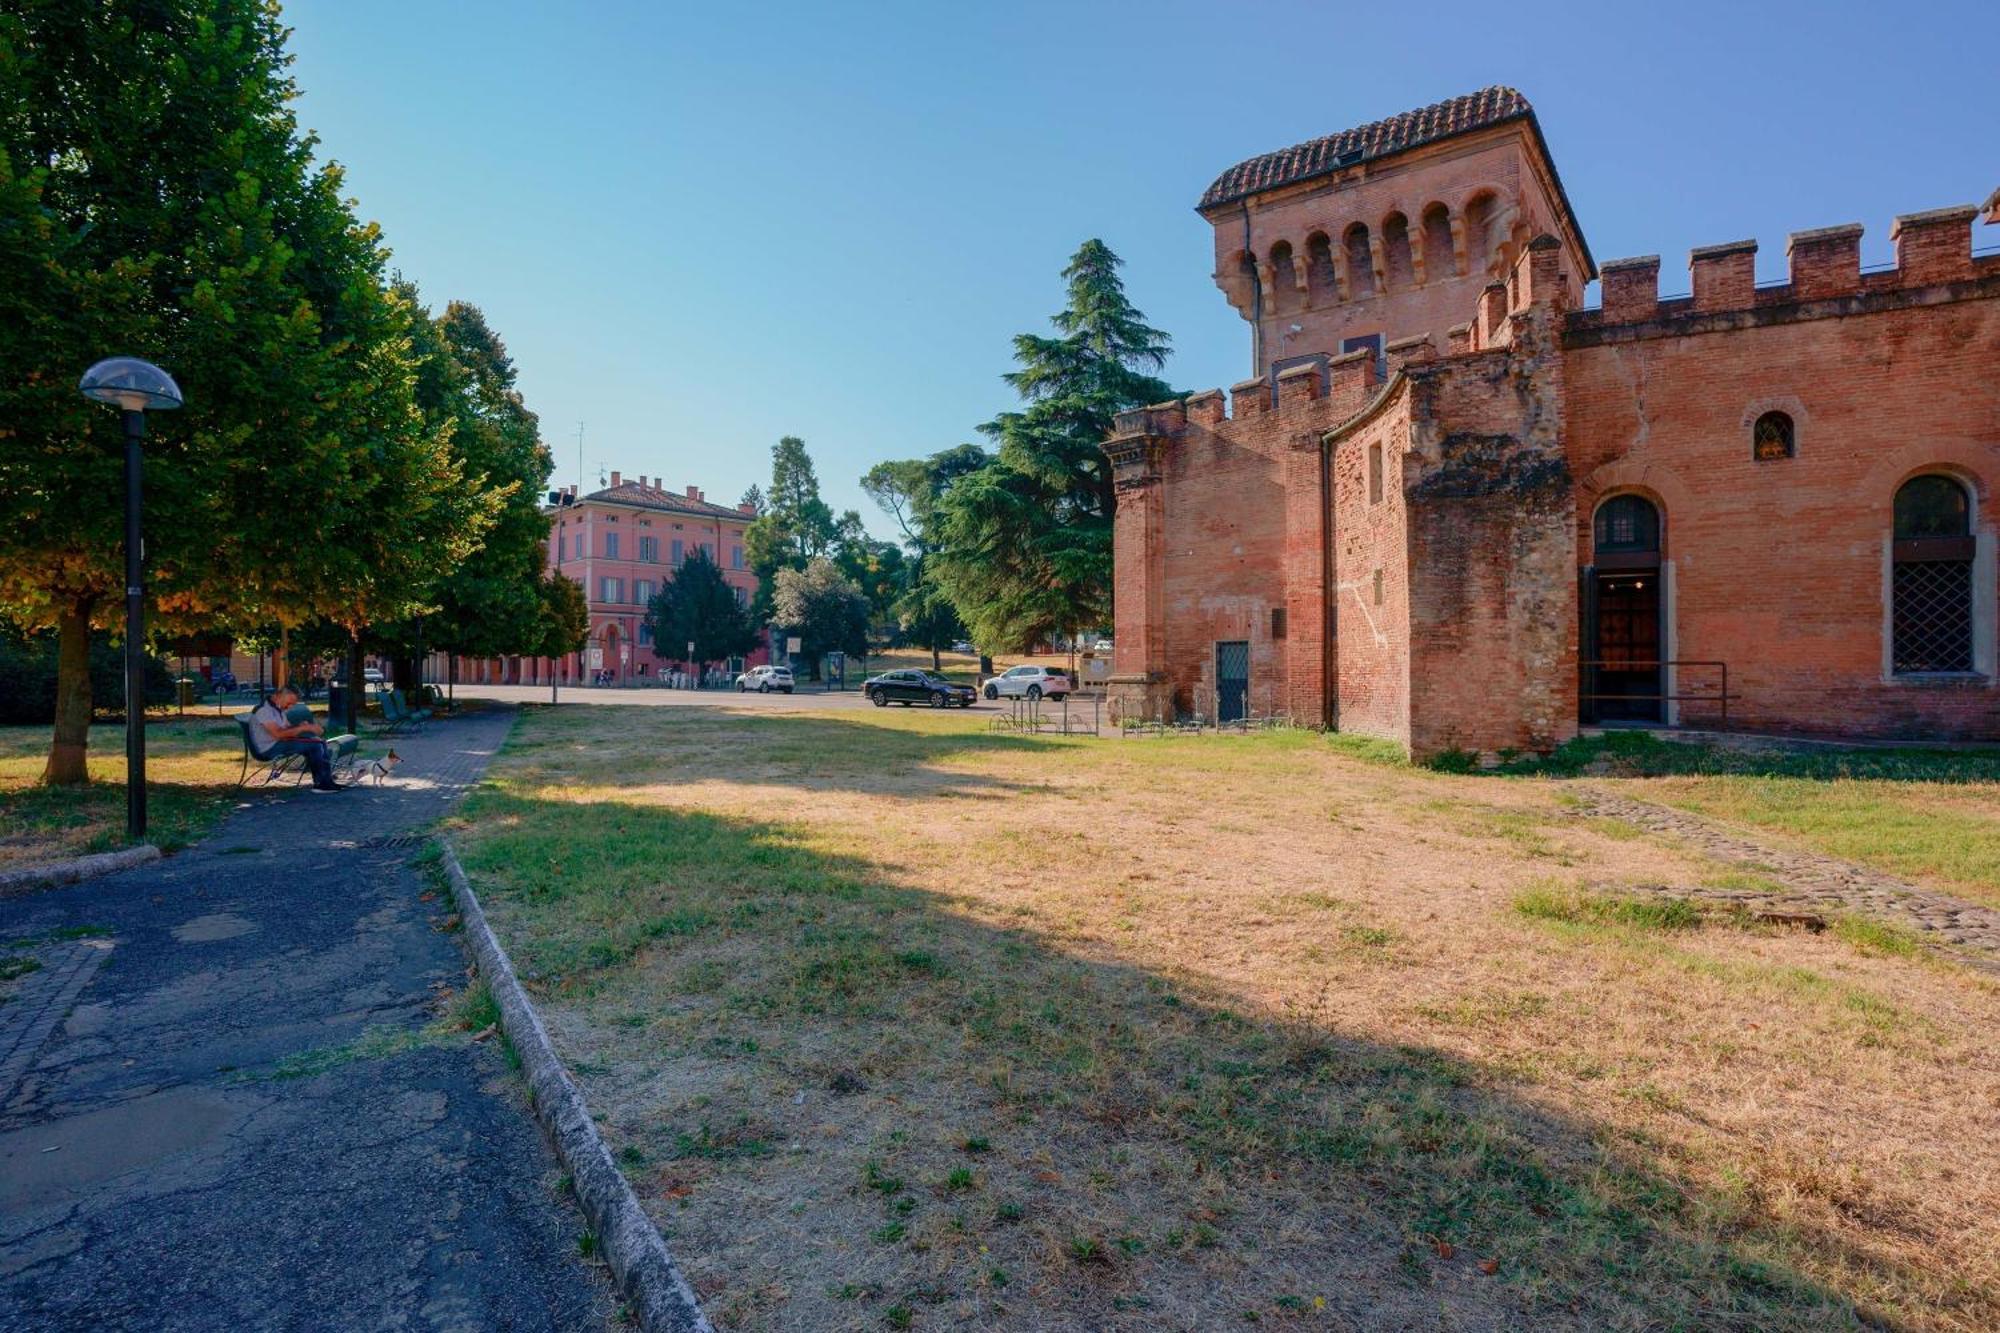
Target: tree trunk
[(70, 748), (937, 661), (356, 683), (985, 664)]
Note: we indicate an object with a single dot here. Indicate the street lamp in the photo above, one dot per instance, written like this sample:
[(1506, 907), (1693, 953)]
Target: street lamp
[(135, 388)]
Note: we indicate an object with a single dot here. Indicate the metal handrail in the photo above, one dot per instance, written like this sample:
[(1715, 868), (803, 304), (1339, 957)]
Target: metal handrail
[(1720, 695)]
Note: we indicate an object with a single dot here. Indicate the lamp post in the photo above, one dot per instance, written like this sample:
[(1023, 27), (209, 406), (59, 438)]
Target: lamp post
[(135, 388)]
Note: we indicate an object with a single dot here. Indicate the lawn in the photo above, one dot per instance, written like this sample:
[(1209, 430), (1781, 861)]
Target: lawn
[(894, 1020), (191, 768), (1928, 815)]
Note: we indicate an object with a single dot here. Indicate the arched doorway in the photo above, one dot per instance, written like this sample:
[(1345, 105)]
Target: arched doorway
[(611, 654), (1623, 626)]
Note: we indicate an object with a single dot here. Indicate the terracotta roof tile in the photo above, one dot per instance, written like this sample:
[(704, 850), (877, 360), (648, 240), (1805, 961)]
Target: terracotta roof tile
[(1364, 143), (653, 497)]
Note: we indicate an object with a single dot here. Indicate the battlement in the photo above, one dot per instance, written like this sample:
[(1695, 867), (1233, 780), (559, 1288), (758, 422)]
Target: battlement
[(1932, 248)]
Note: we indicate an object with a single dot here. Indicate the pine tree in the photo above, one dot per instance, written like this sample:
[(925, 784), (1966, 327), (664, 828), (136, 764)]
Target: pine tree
[(1023, 544), (795, 525), (697, 606)]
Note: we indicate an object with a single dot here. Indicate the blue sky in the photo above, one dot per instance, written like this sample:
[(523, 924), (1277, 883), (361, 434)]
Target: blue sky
[(703, 227)]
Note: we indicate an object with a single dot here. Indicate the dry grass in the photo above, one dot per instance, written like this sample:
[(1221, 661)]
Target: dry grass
[(191, 768), (897, 1020)]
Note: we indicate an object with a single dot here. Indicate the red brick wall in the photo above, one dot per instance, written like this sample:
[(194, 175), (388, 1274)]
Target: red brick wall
[(1224, 546), (1371, 538), (1779, 567)]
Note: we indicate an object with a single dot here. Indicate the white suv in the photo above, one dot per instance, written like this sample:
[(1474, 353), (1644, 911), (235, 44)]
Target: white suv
[(1028, 682), (764, 679)]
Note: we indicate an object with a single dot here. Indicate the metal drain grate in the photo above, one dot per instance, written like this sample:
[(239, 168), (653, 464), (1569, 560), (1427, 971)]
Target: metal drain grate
[(394, 842)]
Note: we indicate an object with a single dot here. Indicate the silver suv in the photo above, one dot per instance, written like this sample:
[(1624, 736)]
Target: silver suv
[(1028, 682), (764, 679)]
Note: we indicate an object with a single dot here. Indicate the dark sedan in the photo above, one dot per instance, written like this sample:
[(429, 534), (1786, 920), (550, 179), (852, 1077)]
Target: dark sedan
[(916, 687)]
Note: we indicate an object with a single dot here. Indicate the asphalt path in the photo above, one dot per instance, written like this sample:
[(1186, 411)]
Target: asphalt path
[(226, 1101)]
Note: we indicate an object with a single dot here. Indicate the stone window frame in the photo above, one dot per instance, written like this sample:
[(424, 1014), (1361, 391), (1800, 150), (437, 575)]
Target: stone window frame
[(1758, 408), (1976, 554)]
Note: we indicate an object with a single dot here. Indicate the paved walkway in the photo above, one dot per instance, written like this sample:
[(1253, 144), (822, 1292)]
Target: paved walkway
[(220, 1106), (1812, 883)]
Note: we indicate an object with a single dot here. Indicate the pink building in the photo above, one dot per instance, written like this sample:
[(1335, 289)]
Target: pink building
[(622, 544)]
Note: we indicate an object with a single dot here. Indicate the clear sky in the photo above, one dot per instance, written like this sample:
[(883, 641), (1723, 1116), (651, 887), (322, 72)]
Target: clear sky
[(700, 227)]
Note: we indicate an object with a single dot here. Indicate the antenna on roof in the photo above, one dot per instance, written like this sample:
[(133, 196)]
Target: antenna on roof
[(579, 456)]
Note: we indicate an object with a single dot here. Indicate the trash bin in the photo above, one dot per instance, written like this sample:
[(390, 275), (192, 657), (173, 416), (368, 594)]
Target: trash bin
[(184, 690), (336, 702)]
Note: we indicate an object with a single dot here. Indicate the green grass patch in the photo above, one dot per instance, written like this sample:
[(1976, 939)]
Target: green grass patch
[(1573, 906)]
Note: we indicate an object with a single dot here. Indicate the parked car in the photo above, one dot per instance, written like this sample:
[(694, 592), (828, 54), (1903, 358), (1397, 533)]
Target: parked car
[(916, 687), (764, 679), (1101, 646), (1028, 682), (371, 677), (962, 646)]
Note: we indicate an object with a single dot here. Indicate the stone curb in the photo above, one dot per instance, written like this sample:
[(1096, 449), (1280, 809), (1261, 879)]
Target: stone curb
[(75, 869), (645, 1271)]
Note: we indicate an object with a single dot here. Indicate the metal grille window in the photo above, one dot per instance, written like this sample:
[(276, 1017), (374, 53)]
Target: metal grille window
[(1627, 523), (1773, 437), (1932, 580)]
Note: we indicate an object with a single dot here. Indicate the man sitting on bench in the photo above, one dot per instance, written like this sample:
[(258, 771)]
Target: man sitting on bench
[(279, 737)]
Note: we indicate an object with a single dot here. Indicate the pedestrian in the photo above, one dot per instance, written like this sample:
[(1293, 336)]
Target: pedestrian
[(280, 736)]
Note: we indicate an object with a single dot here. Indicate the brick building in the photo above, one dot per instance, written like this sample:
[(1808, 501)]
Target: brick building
[(1458, 509), (621, 544)]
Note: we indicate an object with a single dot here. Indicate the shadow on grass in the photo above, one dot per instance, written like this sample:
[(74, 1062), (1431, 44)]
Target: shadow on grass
[(1125, 1138), (869, 752)]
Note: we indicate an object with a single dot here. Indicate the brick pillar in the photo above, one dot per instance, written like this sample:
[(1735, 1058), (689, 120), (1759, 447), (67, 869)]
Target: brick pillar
[(1308, 664), (1138, 687)]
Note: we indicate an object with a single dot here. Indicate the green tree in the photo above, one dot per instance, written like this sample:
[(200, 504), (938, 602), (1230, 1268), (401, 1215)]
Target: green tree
[(488, 604), (1023, 544), (908, 490), (157, 199), (819, 605), (563, 625), (794, 526), (697, 606)]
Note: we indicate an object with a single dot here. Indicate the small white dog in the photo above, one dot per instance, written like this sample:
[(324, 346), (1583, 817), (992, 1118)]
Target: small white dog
[(380, 769)]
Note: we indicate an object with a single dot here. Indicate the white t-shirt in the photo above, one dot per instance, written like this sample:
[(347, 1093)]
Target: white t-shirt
[(266, 722)]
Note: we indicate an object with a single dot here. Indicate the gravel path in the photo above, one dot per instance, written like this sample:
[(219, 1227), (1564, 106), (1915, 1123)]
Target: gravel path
[(1813, 884)]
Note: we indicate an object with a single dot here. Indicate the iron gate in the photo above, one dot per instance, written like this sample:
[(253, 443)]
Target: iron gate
[(1232, 680)]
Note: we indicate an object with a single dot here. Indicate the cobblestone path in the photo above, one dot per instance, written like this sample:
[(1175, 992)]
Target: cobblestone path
[(1813, 884)]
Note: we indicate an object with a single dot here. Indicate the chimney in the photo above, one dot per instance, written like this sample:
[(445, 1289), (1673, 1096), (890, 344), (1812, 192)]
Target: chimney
[(616, 479), (694, 493), (747, 508)]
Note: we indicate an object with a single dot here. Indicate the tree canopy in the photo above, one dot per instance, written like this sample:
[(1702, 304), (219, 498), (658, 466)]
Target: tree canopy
[(826, 611), (157, 199), (697, 606), (793, 525), (1022, 543), (490, 603)]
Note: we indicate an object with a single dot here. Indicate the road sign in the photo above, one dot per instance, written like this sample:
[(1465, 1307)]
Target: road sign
[(792, 644)]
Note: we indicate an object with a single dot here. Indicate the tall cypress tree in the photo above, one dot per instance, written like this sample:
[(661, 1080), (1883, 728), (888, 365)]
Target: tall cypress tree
[(1024, 543)]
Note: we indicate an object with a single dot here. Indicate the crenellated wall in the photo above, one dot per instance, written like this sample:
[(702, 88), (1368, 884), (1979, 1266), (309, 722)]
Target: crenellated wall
[(1406, 544), (1780, 567)]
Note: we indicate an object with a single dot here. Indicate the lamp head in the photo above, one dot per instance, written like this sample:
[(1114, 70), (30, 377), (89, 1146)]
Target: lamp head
[(129, 383)]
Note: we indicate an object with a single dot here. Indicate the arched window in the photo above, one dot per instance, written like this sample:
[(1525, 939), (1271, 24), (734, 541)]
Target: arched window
[(1626, 525), (1772, 437), (1324, 286), (1479, 237), (1396, 251), (1360, 262), (1281, 296), (1932, 589), (1439, 259)]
